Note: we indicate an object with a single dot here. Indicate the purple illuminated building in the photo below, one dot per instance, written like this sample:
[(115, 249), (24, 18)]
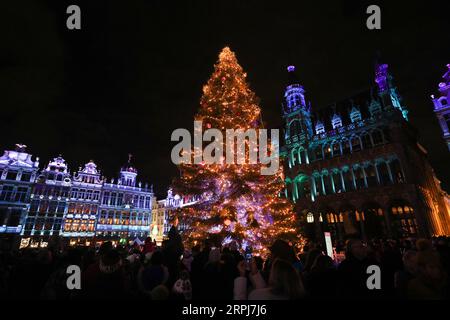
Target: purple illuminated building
[(37, 207), (17, 175)]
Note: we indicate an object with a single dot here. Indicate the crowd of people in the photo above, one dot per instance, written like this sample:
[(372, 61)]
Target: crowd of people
[(410, 269)]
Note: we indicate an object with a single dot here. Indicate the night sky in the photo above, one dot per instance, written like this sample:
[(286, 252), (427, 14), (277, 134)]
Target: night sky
[(135, 70)]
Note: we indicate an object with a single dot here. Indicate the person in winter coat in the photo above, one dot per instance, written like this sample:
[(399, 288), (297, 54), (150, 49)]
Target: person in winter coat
[(182, 287), (153, 275), (352, 272), (284, 283), (105, 279), (431, 281), (321, 281)]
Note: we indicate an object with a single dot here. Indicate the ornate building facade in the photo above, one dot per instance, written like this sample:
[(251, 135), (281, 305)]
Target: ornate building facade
[(357, 169), (17, 175), (442, 106), (49, 201), (126, 208)]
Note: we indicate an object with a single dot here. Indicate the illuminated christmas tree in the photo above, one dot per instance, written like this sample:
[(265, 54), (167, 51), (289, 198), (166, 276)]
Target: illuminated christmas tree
[(236, 202)]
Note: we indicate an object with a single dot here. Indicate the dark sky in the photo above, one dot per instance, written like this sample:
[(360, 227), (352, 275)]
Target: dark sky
[(135, 70)]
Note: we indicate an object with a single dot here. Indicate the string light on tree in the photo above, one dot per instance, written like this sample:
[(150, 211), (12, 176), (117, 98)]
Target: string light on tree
[(237, 202)]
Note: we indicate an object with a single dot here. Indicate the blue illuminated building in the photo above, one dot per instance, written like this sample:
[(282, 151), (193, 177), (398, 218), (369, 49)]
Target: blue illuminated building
[(37, 207)]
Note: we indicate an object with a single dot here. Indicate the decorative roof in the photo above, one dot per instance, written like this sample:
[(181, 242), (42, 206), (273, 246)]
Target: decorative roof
[(57, 164)]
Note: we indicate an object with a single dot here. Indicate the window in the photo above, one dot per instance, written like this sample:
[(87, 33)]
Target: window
[(106, 198), (61, 207), (21, 194), (74, 193), (336, 148), (327, 184), (310, 217), (337, 182), (371, 176), (34, 206), (6, 193), (113, 198), (397, 172), (327, 151), (345, 147), (356, 144), (367, 143), (147, 203), (318, 153), (14, 218), (120, 199), (25, 176), (377, 137), (11, 175), (52, 206), (294, 128), (447, 119), (43, 207), (359, 177)]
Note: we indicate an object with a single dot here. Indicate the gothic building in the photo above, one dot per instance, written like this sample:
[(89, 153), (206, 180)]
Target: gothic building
[(442, 106), (357, 169)]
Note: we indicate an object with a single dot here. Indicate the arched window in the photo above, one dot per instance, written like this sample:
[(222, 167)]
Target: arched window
[(293, 158), (318, 153), (348, 180), (345, 146), (367, 143), (318, 182), (397, 173), (359, 177), (447, 120), (310, 217), (337, 182), (404, 221), (371, 176), (302, 156), (326, 151), (294, 128), (383, 173), (356, 144), (327, 184), (386, 134), (377, 137)]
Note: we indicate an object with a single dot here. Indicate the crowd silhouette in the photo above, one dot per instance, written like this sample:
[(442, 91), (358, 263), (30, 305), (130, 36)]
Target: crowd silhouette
[(410, 269)]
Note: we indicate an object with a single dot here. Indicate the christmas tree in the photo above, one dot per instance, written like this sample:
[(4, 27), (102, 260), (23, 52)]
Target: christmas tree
[(236, 202)]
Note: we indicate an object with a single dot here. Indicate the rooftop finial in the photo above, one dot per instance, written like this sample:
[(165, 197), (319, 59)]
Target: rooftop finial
[(20, 147), (129, 157), (291, 68)]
